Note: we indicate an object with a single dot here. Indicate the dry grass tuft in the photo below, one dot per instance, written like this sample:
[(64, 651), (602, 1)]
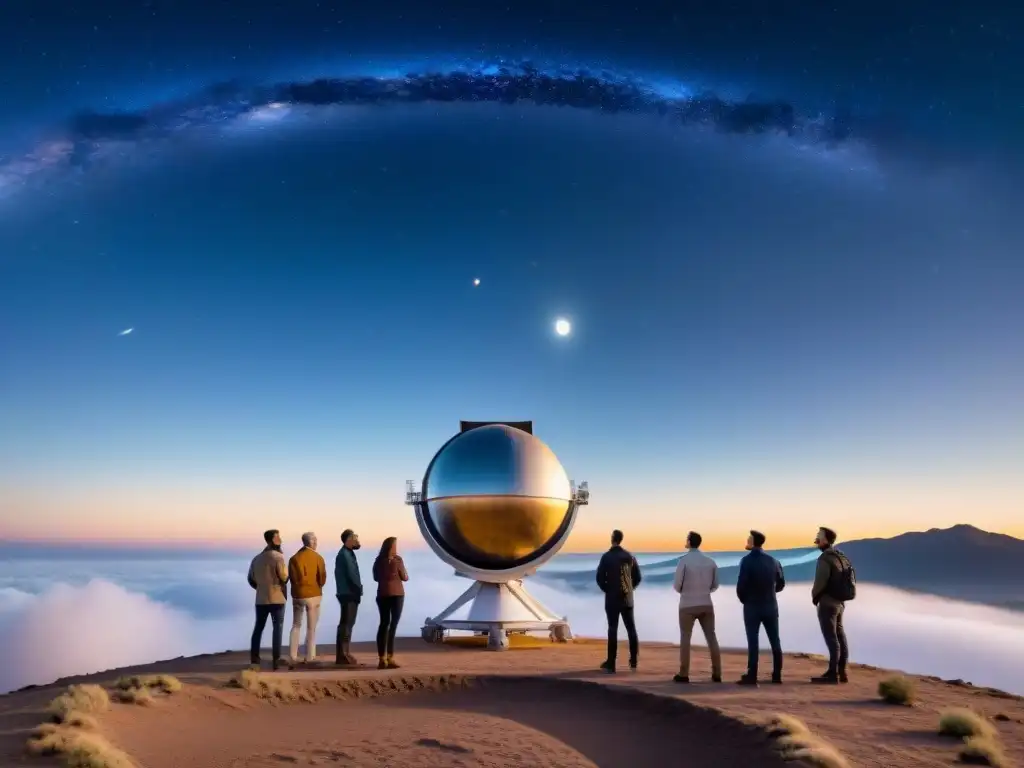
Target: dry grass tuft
[(781, 724), (272, 688), (964, 723), (811, 750), (140, 696), (81, 721), (162, 683), (82, 699), (982, 751), (898, 690), (796, 742), (77, 748)]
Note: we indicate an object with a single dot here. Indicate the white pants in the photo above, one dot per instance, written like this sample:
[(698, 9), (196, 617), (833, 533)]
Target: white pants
[(310, 607)]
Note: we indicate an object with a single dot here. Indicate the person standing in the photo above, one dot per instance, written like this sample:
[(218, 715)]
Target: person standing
[(307, 573), (760, 580), (835, 583), (390, 574), (618, 576), (696, 578), (349, 589), (268, 575)]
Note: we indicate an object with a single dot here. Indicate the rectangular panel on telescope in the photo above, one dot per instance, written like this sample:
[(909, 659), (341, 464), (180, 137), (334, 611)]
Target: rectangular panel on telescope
[(526, 426)]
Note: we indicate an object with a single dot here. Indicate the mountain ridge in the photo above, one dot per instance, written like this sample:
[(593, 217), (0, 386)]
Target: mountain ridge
[(962, 562)]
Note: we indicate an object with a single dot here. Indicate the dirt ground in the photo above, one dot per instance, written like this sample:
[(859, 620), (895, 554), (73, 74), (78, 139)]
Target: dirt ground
[(540, 704)]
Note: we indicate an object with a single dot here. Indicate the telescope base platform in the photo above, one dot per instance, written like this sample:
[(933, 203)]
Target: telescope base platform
[(498, 610)]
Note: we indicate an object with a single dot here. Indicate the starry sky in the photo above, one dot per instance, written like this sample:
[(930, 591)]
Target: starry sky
[(788, 240)]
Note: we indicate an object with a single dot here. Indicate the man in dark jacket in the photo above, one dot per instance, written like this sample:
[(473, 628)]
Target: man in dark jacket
[(618, 574), (832, 579), (349, 589), (760, 580)]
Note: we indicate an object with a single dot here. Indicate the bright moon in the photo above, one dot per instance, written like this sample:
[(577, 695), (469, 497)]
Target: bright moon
[(562, 326)]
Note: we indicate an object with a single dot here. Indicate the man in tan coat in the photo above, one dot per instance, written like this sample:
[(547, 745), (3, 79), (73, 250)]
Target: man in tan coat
[(307, 573), (268, 575)]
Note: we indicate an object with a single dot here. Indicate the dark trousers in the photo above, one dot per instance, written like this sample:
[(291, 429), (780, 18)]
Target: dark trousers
[(347, 620), (390, 608), (830, 617), (614, 612), (755, 617), (276, 615)]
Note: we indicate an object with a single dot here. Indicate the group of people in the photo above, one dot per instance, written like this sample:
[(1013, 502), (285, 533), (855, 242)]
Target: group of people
[(760, 579), (306, 573)]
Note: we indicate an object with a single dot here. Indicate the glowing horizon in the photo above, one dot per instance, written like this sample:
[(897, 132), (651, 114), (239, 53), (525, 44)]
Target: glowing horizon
[(210, 518)]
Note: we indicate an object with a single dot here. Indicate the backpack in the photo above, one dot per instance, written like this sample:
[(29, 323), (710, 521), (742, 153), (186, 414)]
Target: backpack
[(842, 583), (626, 578)]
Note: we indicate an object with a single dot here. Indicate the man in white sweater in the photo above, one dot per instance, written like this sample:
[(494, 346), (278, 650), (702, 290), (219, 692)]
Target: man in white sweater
[(696, 578)]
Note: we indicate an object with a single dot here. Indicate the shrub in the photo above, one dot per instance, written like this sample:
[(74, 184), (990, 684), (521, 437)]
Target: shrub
[(84, 699), (252, 681), (140, 696), (77, 748), (964, 723), (163, 683), (982, 751), (897, 690)]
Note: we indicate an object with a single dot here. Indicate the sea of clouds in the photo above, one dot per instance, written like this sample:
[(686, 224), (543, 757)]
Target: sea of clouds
[(60, 617)]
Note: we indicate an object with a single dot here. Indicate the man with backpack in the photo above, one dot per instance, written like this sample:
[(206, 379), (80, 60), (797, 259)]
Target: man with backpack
[(618, 575), (835, 584)]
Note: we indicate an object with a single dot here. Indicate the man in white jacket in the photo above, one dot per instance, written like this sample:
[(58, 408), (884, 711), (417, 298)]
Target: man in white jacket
[(696, 578)]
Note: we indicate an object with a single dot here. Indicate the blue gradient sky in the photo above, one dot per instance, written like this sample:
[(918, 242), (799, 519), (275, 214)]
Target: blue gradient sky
[(761, 338)]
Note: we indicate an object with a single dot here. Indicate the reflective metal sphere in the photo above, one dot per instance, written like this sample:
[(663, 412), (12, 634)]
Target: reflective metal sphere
[(496, 498)]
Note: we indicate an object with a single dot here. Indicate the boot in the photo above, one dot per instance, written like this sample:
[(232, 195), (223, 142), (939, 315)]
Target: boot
[(831, 677), (382, 663), (390, 661), (349, 658), (341, 655)]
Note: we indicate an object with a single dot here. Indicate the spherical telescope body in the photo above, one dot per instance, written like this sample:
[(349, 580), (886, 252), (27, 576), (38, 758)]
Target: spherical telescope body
[(495, 503)]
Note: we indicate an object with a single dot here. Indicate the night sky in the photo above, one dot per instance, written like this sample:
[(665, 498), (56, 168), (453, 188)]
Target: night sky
[(788, 239)]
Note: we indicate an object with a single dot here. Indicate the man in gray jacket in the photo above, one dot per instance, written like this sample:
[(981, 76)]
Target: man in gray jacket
[(696, 578), (268, 574), (835, 583), (349, 589)]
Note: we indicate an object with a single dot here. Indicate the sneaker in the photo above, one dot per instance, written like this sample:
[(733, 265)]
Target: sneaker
[(776, 679), (681, 679), (275, 665), (608, 666), (632, 665), (716, 678), (747, 680), (391, 663), (843, 678), (382, 664)]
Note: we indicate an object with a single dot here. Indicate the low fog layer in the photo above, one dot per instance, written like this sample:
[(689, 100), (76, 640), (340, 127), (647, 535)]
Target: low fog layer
[(98, 616)]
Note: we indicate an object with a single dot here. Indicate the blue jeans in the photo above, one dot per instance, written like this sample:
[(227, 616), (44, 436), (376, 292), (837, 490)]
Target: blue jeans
[(276, 615), (755, 617)]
